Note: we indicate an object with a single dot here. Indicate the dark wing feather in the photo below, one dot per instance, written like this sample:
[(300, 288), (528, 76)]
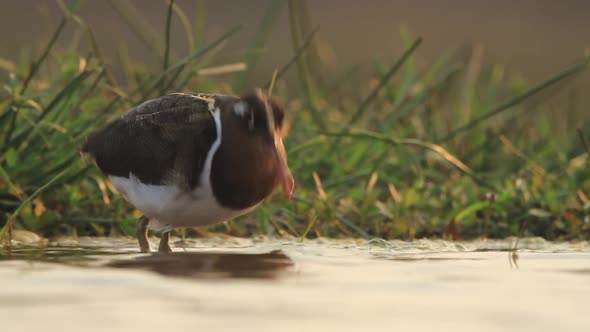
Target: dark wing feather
[(159, 139)]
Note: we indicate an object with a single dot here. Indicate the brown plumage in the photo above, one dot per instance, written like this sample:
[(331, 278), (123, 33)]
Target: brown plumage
[(155, 139)]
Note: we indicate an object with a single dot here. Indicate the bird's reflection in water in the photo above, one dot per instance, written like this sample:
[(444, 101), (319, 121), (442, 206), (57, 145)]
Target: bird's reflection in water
[(211, 265)]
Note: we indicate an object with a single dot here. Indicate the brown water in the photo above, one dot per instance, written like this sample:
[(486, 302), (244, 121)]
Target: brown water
[(288, 285)]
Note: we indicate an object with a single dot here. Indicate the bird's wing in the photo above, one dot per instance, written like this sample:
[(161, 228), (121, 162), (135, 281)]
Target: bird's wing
[(161, 139)]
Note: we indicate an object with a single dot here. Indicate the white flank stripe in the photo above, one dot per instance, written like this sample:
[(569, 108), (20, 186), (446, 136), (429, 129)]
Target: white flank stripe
[(206, 173)]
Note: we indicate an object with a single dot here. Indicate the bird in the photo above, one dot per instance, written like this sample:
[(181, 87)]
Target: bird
[(187, 160)]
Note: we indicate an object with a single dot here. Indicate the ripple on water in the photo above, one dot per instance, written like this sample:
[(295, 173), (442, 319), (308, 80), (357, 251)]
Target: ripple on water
[(318, 285)]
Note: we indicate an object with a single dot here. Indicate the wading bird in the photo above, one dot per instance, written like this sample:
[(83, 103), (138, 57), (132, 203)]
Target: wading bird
[(191, 160)]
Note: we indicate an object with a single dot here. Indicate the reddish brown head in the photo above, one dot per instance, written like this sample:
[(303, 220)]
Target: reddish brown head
[(252, 154)]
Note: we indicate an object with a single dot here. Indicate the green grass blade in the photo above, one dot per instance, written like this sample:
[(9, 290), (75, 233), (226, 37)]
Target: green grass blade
[(302, 66), (412, 104), (73, 6), (262, 34), (200, 23), (179, 66), (28, 200), (73, 85), (167, 45), (372, 96), (6, 177), (447, 156), (298, 53), (517, 99), (583, 140), (130, 15), (37, 64), (186, 25)]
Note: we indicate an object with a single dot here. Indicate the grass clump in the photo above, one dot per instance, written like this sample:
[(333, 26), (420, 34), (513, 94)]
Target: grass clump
[(414, 151)]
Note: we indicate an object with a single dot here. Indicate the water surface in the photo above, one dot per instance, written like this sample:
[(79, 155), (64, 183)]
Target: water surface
[(288, 285)]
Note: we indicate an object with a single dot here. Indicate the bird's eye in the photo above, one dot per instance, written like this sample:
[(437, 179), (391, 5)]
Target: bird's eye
[(240, 109)]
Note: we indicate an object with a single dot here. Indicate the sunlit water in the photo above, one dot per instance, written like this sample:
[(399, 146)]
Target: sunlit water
[(288, 285)]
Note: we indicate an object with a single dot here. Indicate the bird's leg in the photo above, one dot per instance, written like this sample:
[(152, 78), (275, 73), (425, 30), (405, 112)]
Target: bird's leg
[(164, 246), (142, 232)]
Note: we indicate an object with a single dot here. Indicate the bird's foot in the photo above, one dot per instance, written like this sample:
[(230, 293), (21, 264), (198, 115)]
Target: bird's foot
[(142, 234), (164, 246)]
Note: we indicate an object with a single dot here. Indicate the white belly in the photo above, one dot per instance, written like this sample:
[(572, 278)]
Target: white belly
[(168, 206)]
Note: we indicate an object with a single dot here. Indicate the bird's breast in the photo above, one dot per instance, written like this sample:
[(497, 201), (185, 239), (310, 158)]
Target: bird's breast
[(172, 206)]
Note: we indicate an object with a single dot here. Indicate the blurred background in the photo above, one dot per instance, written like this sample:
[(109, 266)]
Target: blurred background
[(534, 37)]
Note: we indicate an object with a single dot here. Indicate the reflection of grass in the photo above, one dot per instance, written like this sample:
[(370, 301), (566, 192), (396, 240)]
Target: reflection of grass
[(413, 152)]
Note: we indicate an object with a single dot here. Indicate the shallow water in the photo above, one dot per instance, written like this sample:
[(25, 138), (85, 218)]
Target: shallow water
[(287, 285)]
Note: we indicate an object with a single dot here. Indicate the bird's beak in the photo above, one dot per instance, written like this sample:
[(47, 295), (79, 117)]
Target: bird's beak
[(285, 177)]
